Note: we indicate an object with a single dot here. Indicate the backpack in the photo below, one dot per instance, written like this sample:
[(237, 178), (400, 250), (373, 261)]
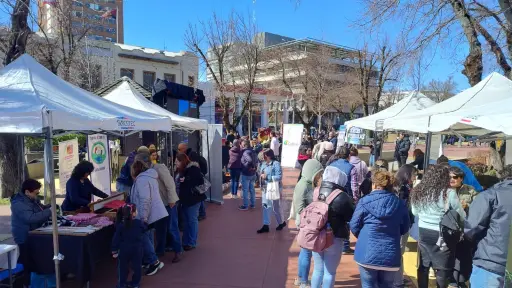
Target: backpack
[(451, 227), (314, 233)]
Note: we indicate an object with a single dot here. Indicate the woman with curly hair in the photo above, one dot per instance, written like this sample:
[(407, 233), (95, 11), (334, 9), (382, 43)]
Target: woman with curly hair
[(429, 201)]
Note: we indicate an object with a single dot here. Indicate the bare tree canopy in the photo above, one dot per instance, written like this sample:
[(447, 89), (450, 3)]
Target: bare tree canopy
[(440, 90)]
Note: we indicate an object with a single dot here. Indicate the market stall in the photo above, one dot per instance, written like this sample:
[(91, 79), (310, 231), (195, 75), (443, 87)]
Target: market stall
[(36, 102)]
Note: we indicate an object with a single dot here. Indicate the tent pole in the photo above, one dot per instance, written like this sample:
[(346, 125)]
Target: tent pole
[(50, 183), (22, 160), (169, 134), (427, 151)]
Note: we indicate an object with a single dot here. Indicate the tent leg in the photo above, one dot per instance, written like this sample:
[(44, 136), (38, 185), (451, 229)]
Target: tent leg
[(22, 159), (169, 138), (50, 183), (427, 150)]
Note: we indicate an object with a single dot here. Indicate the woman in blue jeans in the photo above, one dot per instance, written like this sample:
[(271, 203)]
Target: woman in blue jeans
[(189, 177), (339, 213), (235, 167), (380, 220)]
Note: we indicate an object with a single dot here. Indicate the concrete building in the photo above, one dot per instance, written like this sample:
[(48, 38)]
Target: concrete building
[(86, 15)]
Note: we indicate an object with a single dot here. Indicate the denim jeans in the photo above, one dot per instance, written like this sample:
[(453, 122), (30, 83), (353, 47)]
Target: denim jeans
[(190, 224), (173, 230), (326, 263), (129, 258), (235, 180), (161, 229), (271, 206), (346, 242), (304, 264), (148, 248), (371, 278), (483, 278), (372, 160), (202, 209), (399, 277), (248, 188)]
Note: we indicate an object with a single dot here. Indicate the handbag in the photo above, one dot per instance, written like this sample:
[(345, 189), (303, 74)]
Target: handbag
[(450, 227), (203, 188), (272, 190)]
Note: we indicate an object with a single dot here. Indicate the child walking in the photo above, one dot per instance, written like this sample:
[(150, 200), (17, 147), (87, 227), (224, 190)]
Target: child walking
[(127, 246)]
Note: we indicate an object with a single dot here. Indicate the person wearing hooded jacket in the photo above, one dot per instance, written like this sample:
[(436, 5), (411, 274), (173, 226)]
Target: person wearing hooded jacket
[(360, 168), (302, 197), (249, 167), (150, 207), (235, 167), (339, 213), (124, 182), (328, 151), (379, 222)]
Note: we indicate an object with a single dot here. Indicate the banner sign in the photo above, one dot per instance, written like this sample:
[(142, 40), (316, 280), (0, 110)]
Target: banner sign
[(356, 136), (292, 139), (99, 157), (68, 159), (342, 130), (125, 123)]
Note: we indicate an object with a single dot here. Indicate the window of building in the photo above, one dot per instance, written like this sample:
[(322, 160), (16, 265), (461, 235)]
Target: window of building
[(94, 6), (78, 14), (191, 81), (148, 79), (78, 3), (110, 30), (128, 73), (170, 77)]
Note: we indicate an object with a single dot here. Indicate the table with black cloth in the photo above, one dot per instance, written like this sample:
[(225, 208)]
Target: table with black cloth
[(81, 252)]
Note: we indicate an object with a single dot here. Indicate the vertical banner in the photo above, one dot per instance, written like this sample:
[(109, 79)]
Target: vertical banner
[(99, 156), (68, 159), (292, 138), (211, 144), (342, 130), (436, 147)]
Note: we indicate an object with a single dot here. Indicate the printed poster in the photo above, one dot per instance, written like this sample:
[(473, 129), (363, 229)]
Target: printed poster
[(98, 149), (342, 130), (292, 139), (68, 159), (356, 136)]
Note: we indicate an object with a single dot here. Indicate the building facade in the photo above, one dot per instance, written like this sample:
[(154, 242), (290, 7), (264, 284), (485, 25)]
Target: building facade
[(100, 19)]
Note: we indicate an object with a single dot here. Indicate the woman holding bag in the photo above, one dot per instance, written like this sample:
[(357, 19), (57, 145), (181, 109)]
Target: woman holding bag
[(271, 175)]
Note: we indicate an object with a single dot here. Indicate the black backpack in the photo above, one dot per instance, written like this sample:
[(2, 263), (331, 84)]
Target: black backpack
[(451, 226)]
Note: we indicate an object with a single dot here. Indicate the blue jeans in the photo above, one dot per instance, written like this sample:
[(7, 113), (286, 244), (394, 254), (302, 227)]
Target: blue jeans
[(326, 263), (173, 230), (190, 224), (304, 264), (483, 278), (148, 249), (161, 229), (248, 188), (202, 209), (399, 277), (372, 160), (235, 180), (129, 257), (346, 242), (371, 278), (271, 206)]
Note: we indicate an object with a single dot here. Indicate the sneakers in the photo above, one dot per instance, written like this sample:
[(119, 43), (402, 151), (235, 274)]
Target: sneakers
[(243, 208), (281, 226), (188, 248), (234, 196), (263, 229), (348, 251), (177, 257), (252, 207), (299, 284), (153, 269)]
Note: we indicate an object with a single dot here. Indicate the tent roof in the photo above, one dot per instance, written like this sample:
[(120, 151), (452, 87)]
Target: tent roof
[(110, 87), (412, 103), (128, 95), (28, 90), (491, 90)]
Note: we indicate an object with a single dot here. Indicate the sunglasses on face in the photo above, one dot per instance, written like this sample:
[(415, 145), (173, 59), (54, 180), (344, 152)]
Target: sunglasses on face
[(454, 177)]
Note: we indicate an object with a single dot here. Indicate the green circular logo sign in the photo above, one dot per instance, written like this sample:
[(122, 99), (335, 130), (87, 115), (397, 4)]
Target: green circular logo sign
[(99, 153), (286, 142)]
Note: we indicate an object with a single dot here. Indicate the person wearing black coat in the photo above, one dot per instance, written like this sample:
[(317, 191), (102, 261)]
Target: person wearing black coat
[(79, 189), (403, 149), (419, 159)]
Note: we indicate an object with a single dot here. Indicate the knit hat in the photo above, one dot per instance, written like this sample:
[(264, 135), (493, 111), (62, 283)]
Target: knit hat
[(143, 149)]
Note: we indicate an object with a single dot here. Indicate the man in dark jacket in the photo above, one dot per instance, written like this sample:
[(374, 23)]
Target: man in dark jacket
[(403, 149), (488, 226), (125, 181), (203, 165), (249, 166)]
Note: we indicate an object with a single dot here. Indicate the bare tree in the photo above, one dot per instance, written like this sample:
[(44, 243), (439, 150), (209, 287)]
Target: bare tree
[(439, 90)]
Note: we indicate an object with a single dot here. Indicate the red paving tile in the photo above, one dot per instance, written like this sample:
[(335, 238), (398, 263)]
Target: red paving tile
[(231, 254)]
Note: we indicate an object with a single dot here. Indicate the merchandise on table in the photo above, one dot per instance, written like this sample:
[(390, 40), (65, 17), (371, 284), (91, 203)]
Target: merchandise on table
[(87, 219), (115, 204)]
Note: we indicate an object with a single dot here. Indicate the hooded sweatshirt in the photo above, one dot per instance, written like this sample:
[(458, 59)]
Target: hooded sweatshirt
[(303, 192), (379, 221), (146, 196), (360, 167), (235, 156)]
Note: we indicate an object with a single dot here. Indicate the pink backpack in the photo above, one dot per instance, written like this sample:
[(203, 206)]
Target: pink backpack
[(313, 234)]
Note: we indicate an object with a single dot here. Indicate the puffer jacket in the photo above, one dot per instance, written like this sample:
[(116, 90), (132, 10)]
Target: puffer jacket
[(303, 192), (488, 226), (26, 215), (192, 178), (166, 185), (146, 196), (379, 221), (340, 210), (404, 146), (235, 158)]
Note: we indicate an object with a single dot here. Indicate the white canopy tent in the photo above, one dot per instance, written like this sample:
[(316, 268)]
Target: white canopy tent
[(126, 96), (412, 103), (489, 93)]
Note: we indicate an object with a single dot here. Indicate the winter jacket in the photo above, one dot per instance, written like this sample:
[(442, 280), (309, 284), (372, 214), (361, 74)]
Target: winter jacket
[(419, 161), (125, 177), (235, 158), (79, 195), (225, 156), (396, 155), (195, 157), (192, 178), (403, 193), (145, 194), (249, 165), (272, 171), (258, 148), (469, 177), (488, 226), (379, 221), (26, 215), (430, 215), (166, 185), (352, 188), (340, 210), (303, 192), (128, 237), (403, 146), (324, 158), (361, 169)]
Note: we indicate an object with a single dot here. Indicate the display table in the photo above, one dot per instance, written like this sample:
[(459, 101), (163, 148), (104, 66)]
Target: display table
[(81, 252), (8, 259)]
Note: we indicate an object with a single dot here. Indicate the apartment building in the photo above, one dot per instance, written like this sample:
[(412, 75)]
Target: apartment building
[(100, 19)]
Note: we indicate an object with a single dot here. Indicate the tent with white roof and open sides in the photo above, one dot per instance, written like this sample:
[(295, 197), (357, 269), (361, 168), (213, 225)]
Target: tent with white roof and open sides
[(413, 102)]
